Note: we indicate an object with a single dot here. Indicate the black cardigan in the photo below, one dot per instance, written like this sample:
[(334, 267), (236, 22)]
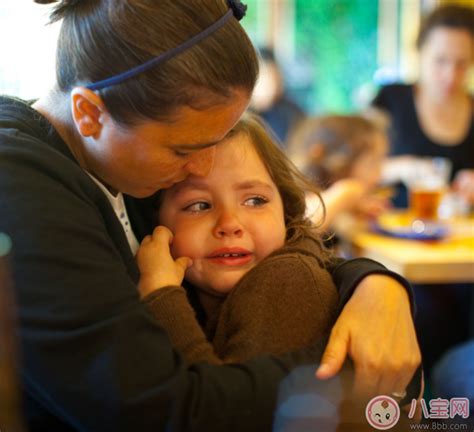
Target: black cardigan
[(93, 357)]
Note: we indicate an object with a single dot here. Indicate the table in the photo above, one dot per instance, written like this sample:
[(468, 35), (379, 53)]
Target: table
[(448, 260)]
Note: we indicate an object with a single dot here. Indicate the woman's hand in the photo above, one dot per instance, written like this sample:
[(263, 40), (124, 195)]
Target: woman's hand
[(157, 267), (376, 329)]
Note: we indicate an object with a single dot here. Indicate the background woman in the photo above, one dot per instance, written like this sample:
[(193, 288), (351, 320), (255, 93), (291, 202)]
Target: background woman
[(435, 116)]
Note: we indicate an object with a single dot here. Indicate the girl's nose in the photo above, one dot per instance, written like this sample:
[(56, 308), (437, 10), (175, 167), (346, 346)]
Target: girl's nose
[(201, 162), (229, 225)]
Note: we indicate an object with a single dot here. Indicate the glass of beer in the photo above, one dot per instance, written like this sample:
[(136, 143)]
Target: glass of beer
[(427, 186)]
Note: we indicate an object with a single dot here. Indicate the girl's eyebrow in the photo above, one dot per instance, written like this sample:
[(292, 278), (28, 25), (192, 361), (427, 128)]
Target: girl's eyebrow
[(202, 185), (195, 184), (250, 184)]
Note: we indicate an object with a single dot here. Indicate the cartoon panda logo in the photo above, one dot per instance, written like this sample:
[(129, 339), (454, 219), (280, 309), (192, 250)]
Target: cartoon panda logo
[(382, 412)]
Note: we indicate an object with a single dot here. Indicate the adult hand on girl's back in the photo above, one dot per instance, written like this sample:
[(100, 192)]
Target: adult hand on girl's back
[(157, 267), (376, 329)]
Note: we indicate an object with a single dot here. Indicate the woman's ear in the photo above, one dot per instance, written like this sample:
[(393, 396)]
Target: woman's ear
[(87, 109)]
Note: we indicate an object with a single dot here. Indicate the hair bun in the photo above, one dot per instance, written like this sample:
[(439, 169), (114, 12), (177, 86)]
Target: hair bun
[(239, 9)]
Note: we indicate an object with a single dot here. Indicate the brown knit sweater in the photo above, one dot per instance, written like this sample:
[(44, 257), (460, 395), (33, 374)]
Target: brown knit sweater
[(284, 303)]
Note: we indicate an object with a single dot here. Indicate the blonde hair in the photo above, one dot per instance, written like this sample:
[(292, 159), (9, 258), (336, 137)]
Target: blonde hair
[(326, 147)]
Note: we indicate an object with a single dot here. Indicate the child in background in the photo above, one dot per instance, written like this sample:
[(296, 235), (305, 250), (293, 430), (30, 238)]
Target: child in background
[(255, 263), (344, 155)]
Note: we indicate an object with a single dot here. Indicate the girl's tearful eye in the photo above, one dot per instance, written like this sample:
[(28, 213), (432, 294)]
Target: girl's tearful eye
[(256, 201), (197, 207)]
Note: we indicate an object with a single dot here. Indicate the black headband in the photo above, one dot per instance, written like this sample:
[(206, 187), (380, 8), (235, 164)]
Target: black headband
[(237, 9)]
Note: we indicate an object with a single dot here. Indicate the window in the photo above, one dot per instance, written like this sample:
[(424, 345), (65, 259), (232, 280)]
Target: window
[(27, 49)]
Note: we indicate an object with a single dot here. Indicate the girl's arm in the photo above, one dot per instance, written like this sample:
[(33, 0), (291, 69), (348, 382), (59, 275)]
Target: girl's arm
[(160, 277), (288, 301), (170, 307)]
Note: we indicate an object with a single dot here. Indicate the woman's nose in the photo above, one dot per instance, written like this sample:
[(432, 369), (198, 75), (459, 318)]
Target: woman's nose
[(229, 225), (201, 162)]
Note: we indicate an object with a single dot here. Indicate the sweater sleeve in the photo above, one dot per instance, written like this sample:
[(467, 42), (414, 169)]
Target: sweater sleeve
[(170, 307), (285, 303), (347, 274)]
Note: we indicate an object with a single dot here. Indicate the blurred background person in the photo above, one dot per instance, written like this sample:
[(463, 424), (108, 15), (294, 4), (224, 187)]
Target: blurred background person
[(435, 116), (271, 101), (343, 155)]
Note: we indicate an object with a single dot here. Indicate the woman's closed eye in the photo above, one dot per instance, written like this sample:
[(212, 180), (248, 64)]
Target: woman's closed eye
[(181, 154), (197, 207), (256, 201)]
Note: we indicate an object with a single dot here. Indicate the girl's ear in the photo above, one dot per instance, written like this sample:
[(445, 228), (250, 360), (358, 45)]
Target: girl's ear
[(87, 109)]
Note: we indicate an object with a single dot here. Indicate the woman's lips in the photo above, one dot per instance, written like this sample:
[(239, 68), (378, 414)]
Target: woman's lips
[(230, 256)]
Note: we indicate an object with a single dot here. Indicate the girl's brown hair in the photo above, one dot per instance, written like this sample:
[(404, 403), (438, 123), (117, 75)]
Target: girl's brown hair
[(101, 38), (326, 147), (291, 183), (452, 16)]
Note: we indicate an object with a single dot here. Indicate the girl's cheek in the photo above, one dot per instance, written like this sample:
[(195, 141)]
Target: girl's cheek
[(184, 243)]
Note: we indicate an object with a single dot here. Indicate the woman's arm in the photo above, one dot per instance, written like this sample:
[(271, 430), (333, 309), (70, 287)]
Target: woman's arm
[(375, 328)]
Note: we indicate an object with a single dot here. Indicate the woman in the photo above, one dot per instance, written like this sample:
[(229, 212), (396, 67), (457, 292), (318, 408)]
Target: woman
[(144, 91), (435, 116)]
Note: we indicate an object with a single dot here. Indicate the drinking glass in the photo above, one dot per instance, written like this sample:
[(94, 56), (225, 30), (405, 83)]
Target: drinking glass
[(427, 183)]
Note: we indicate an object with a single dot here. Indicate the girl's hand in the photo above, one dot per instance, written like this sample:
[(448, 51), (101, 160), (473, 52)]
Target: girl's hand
[(157, 267), (372, 205)]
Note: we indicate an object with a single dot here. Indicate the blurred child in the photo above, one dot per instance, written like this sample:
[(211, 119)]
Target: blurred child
[(255, 263), (343, 154)]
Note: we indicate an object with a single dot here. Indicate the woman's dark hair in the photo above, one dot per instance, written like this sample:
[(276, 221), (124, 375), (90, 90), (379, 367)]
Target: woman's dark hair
[(451, 15), (101, 38)]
